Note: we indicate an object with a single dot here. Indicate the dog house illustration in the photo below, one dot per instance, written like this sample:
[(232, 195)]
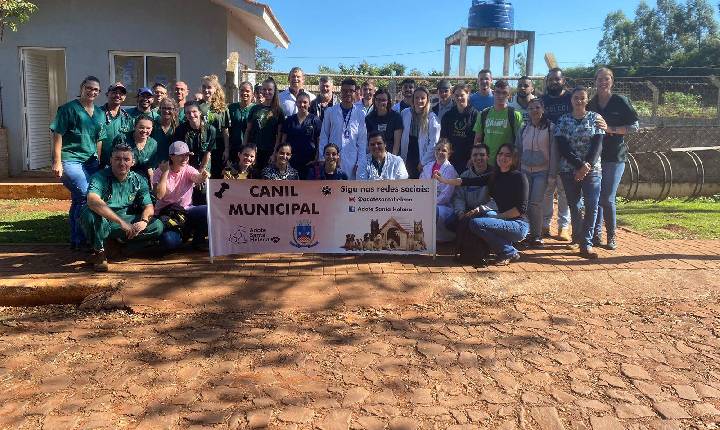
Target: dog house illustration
[(397, 235)]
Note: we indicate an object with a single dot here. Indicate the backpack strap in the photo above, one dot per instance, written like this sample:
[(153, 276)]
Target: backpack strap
[(511, 122), (483, 118)]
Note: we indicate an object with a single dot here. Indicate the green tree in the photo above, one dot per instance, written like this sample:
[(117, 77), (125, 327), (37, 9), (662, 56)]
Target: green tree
[(13, 13), (521, 64), (264, 59)]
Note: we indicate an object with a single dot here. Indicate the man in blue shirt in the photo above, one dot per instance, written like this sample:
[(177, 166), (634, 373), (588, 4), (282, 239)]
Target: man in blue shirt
[(484, 97)]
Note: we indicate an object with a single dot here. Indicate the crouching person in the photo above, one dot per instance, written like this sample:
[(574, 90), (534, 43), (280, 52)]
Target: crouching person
[(173, 182), (119, 207)]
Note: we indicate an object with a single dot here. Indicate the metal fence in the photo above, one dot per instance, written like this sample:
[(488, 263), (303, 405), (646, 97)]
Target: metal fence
[(659, 100)]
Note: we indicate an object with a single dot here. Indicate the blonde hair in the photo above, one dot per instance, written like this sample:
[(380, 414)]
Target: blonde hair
[(217, 101), (174, 116), (426, 110)]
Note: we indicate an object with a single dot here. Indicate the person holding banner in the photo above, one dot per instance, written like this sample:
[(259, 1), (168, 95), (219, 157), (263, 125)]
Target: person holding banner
[(509, 188), (382, 164), (330, 168), (280, 169), (245, 167), (344, 125), (443, 210), (421, 131), (173, 183)]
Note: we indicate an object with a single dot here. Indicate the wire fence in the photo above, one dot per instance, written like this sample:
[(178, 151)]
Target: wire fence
[(660, 101)]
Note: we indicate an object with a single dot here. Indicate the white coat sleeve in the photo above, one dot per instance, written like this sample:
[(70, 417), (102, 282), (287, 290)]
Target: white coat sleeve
[(401, 170), (324, 135), (433, 138), (362, 143), (446, 191)]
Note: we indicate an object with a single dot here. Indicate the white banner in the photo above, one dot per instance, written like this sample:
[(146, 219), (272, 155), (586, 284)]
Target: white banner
[(389, 217)]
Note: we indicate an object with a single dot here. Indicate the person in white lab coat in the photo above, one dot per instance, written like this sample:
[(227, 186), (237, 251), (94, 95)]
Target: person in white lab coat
[(444, 208), (382, 164), (344, 125), (421, 132)]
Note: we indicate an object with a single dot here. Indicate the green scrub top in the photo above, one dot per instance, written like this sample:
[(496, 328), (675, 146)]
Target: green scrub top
[(199, 141), (135, 113), (163, 141), (80, 132), (145, 159), (265, 127), (114, 126), (133, 192), (219, 120), (238, 123)]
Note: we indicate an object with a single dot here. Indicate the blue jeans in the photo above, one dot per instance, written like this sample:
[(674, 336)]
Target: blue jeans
[(612, 173), (589, 190), (76, 176), (563, 209), (537, 182), (195, 222), (499, 234)]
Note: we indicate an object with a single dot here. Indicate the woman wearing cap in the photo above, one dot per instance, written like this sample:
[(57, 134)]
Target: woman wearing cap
[(144, 147), (200, 138), (421, 132), (214, 107), (145, 99), (77, 135), (164, 127), (265, 119), (239, 114), (280, 168), (173, 182)]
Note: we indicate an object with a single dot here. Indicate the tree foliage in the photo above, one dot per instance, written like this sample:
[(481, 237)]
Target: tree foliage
[(13, 13), (671, 34), (264, 59)]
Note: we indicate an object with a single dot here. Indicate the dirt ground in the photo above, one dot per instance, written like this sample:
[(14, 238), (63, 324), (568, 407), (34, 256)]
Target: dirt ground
[(321, 342)]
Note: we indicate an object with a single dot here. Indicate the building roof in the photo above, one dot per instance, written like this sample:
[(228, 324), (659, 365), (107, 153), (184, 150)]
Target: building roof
[(259, 18)]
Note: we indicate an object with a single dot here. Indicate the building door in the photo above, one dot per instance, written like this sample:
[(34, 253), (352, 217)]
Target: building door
[(43, 89)]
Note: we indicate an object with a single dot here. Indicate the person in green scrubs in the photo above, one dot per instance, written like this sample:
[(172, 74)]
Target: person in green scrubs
[(119, 207), (78, 129), (200, 137), (239, 114), (164, 127), (215, 109), (117, 121), (145, 99), (144, 147)]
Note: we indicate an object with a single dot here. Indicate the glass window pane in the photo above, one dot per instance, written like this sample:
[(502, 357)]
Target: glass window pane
[(129, 71), (162, 70)]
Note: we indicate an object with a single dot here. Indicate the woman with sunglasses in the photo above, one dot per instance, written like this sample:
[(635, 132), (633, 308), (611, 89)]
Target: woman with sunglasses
[(77, 136)]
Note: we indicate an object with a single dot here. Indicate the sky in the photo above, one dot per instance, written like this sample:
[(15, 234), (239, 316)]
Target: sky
[(413, 33)]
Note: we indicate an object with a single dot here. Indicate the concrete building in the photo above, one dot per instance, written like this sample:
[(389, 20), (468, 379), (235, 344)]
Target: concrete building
[(134, 41)]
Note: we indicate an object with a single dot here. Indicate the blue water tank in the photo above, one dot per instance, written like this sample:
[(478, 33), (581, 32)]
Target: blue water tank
[(491, 14)]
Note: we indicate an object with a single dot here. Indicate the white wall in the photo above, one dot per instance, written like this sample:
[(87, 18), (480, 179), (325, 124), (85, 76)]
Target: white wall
[(88, 30)]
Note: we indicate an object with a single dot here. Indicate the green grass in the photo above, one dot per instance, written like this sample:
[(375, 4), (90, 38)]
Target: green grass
[(33, 221), (672, 218)]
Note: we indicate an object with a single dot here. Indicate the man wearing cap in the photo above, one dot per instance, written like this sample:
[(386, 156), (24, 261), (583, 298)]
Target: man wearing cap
[(173, 183), (181, 93), (296, 77), (145, 98), (117, 121), (445, 101), (119, 207)]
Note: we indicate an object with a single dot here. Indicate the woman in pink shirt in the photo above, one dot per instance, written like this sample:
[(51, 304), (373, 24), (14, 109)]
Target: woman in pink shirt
[(173, 183)]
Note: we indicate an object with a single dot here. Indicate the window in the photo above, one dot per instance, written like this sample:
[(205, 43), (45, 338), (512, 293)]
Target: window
[(138, 69)]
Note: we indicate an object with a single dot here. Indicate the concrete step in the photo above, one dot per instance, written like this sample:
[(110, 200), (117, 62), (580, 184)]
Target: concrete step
[(28, 188)]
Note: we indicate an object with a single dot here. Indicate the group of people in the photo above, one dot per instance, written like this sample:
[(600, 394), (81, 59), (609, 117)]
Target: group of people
[(139, 174)]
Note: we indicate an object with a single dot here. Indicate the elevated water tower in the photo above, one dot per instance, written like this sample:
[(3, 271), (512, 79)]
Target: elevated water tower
[(490, 23)]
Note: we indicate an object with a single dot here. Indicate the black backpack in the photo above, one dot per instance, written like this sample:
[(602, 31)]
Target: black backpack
[(511, 122), (470, 250)]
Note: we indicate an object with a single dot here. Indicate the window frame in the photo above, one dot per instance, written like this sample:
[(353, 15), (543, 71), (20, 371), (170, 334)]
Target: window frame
[(145, 56)]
